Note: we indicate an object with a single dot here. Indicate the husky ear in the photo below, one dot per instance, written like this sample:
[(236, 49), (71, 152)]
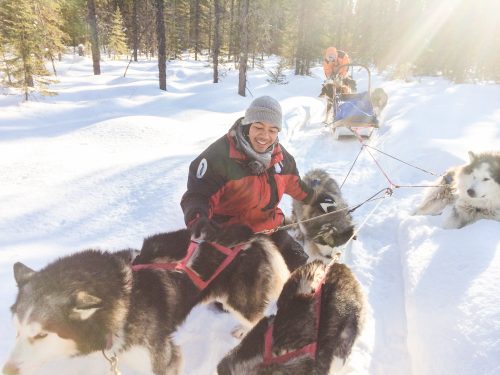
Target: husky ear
[(472, 156), (85, 305), (22, 273)]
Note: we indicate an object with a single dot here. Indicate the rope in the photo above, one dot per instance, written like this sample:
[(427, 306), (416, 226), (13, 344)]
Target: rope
[(350, 169), (402, 161), (363, 145), (393, 185), (337, 256), (288, 226)]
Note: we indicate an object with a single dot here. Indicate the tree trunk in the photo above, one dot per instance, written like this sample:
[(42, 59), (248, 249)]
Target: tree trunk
[(216, 46), (210, 18), (230, 50), (94, 39), (160, 35), (300, 50), (135, 29), (27, 70), (196, 28), (242, 85)]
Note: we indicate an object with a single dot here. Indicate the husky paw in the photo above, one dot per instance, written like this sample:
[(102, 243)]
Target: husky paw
[(239, 332)]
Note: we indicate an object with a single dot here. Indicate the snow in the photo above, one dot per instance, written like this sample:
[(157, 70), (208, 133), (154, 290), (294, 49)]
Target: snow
[(104, 164)]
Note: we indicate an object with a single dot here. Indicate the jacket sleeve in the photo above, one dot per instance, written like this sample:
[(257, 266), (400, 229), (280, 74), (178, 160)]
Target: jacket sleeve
[(204, 181), (343, 58)]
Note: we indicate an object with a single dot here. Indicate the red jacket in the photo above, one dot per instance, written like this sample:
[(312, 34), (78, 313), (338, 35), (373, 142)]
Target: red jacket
[(222, 187)]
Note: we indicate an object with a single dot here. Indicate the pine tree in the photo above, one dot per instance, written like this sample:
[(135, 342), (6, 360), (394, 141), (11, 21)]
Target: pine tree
[(20, 29), (50, 22), (177, 26), (117, 40)]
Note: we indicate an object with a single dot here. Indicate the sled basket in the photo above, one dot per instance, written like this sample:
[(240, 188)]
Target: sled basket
[(354, 112)]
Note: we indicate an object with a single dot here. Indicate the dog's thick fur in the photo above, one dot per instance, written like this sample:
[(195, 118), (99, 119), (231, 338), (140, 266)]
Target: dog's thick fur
[(472, 190), (341, 321), (322, 235), (379, 100), (93, 300), (327, 93)]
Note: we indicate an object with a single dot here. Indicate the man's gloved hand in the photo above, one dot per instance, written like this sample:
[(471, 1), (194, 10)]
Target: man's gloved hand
[(325, 202), (201, 227)]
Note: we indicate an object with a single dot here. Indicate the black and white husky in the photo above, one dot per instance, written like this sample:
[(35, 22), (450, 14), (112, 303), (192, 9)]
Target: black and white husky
[(472, 191), (95, 301), (322, 235), (318, 320)]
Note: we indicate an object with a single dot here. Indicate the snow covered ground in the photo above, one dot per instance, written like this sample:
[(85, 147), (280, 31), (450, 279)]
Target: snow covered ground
[(104, 164)]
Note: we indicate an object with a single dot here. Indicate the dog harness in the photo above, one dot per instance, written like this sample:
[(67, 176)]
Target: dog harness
[(181, 265), (309, 349)]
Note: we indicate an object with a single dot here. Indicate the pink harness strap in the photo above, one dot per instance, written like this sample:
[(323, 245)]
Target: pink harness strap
[(309, 349), (182, 265)]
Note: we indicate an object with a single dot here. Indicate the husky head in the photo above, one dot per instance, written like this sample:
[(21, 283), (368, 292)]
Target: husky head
[(379, 99), (324, 234), (326, 91), (479, 181), (74, 306), (341, 320)]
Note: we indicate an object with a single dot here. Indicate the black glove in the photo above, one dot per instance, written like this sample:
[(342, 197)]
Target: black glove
[(204, 228), (325, 202)]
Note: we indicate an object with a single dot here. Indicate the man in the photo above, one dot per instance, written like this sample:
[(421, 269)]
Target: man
[(333, 65), (241, 178)]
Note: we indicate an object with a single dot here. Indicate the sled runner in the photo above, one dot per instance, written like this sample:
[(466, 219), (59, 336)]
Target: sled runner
[(349, 113)]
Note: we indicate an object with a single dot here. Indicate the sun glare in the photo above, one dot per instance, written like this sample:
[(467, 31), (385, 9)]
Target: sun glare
[(414, 42)]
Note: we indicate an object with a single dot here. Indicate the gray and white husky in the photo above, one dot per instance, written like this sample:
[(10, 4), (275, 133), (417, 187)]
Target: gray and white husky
[(322, 235), (94, 301), (471, 190), (331, 320)]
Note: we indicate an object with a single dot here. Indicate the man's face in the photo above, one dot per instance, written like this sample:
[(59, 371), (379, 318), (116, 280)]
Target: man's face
[(262, 135)]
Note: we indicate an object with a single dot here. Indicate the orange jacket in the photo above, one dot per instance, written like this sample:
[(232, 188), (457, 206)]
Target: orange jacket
[(340, 58)]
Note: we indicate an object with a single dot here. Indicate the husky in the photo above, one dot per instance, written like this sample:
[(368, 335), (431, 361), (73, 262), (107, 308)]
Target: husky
[(379, 100), (327, 93), (94, 301), (332, 317), (471, 191), (322, 235)]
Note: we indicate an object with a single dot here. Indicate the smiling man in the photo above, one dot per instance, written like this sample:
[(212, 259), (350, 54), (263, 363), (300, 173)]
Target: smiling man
[(241, 178)]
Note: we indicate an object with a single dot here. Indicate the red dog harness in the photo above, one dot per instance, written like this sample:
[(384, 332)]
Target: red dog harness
[(309, 349), (230, 253)]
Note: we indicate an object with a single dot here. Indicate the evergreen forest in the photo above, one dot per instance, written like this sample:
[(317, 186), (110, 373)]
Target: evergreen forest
[(458, 39)]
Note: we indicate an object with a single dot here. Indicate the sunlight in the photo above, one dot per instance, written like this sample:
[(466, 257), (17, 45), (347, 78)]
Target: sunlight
[(414, 41)]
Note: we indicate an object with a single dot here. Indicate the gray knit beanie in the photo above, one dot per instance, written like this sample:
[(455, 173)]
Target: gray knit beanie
[(264, 109)]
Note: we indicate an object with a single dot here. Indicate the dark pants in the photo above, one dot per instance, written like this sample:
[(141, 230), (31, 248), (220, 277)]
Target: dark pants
[(291, 250)]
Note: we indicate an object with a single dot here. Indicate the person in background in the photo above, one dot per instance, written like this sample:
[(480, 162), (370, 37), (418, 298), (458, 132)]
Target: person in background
[(333, 66), (241, 178)]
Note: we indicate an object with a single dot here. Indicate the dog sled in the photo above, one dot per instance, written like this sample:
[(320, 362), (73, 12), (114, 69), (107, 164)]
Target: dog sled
[(349, 114)]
